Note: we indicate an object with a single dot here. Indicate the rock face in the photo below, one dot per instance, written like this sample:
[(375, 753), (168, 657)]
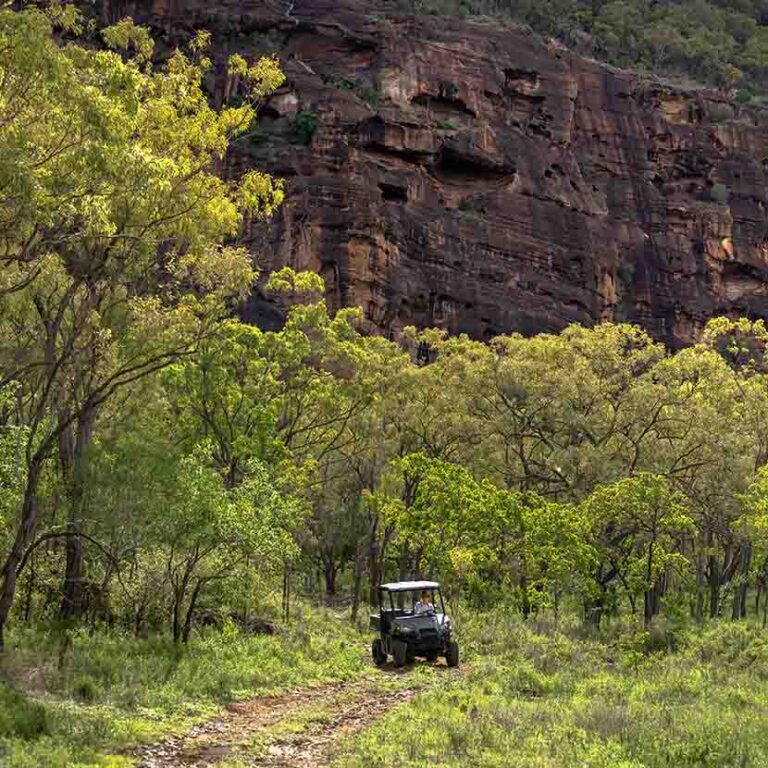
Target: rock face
[(467, 175)]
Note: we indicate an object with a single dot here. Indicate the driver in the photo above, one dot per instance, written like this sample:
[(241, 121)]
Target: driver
[(424, 605)]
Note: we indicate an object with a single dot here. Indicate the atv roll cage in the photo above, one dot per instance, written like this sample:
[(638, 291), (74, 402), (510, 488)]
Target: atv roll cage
[(402, 588)]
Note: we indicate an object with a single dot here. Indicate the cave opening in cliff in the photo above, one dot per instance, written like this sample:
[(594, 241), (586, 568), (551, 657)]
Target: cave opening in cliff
[(453, 164), (393, 193)]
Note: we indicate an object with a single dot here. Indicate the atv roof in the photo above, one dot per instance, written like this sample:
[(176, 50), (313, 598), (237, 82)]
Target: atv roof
[(410, 586)]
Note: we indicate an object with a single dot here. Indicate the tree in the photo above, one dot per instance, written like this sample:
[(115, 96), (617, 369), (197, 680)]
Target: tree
[(563, 414), (228, 395), (705, 445), (490, 541), (207, 530), (111, 232), (638, 524), (754, 525)]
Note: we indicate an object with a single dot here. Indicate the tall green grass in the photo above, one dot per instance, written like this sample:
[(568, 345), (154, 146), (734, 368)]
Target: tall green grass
[(532, 694), (109, 691), (541, 697)]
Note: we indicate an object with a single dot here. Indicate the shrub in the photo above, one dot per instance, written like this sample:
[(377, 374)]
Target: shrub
[(337, 81), (305, 125), (21, 717), (86, 689)]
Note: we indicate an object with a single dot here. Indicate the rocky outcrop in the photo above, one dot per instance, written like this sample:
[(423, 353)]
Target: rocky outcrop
[(466, 174)]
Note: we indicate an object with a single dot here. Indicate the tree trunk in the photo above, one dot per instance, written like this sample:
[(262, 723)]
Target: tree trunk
[(24, 535), (357, 583), (593, 610), (138, 622), (765, 604), (374, 562), (330, 572), (698, 610), (179, 593), (286, 592), (405, 562), (525, 601), (72, 598), (651, 603), (176, 620), (714, 579), (191, 612), (648, 593), (739, 608), (99, 607), (30, 590), (74, 456)]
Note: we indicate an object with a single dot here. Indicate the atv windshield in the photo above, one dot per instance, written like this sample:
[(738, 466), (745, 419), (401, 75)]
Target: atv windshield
[(410, 603)]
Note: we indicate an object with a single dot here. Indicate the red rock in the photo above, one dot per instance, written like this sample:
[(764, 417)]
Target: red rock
[(466, 174)]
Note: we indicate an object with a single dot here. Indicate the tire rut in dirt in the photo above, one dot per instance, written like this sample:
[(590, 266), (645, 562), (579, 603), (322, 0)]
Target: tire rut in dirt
[(209, 742), (350, 708), (315, 749)]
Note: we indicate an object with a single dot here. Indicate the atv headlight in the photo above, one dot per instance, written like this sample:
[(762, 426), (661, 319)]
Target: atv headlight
[(446, 625), (407, 630)]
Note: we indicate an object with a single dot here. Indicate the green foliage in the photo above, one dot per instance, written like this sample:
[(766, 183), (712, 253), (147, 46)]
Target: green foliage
[(473, 533), (20, 717), (719, 194), (164, 466), (305, 125), (113, 230), (638, 522), (716, 43), (256, 138), (126, 36), (337, 81), (289, 282)]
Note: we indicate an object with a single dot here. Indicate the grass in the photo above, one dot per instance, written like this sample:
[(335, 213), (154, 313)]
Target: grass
[(539, 697), (532, 694), (114, 691)]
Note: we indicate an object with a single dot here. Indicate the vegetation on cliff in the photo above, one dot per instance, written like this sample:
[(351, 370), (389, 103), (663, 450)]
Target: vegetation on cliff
[(714, 42)]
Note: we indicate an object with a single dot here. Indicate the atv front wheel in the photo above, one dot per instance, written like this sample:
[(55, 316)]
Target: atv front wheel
[(377, 651), (399, 653), (452, 654)]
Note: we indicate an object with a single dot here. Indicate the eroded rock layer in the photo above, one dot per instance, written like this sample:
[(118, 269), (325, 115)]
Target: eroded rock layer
[(465, 174)]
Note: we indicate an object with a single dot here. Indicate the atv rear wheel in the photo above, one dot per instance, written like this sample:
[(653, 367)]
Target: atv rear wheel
[(431, 656), (377, 651), (399, 653), (452, 654)]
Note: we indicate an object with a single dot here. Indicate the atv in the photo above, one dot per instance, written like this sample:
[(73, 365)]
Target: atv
[(410, 626)]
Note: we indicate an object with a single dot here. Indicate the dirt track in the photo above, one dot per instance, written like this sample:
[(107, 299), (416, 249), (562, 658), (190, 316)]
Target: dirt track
[(300, 728)]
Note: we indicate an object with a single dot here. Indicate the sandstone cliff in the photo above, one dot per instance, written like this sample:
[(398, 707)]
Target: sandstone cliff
[(465, 174)]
